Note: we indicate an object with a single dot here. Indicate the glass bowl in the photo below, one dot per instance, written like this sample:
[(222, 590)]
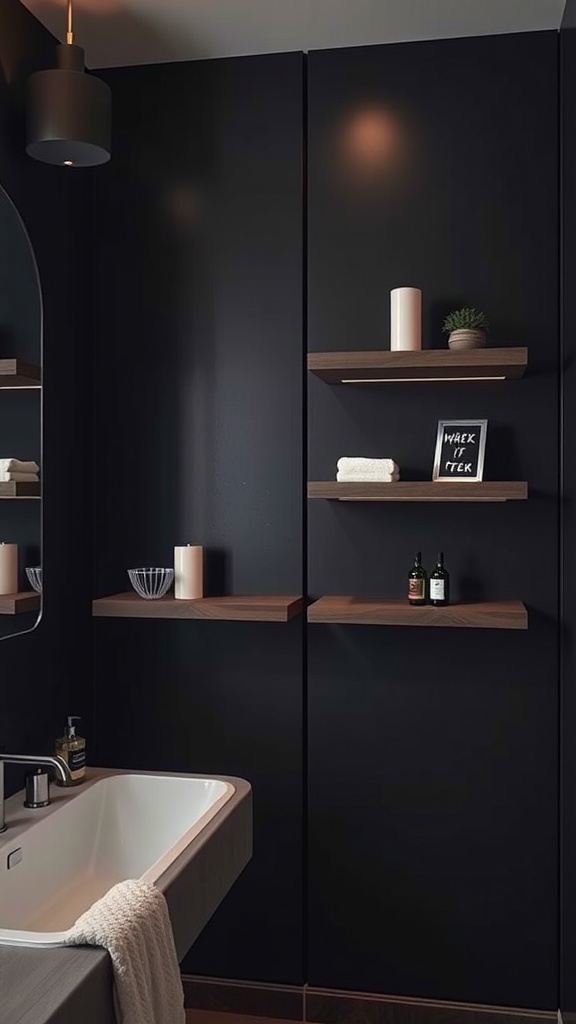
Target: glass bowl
[(35, 577), (151, 583)]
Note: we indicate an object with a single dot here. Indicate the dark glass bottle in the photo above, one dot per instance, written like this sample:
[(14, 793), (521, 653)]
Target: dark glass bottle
[(440, 583), (417, 582)]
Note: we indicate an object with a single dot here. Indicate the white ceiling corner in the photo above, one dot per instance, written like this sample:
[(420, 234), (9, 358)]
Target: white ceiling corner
[(122, 32)]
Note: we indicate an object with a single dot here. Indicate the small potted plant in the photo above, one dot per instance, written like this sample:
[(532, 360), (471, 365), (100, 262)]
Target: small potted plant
[(466, 328)]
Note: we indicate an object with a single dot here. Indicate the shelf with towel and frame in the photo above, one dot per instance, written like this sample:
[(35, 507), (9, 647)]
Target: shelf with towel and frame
[(428, 366), (248, 608), (420, 490), (354, 611)]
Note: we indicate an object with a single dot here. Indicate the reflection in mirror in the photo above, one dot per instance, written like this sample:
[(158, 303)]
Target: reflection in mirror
[(20, 425)]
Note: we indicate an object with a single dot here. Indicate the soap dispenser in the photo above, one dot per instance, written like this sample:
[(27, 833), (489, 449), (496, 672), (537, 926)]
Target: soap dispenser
[(72, 749)]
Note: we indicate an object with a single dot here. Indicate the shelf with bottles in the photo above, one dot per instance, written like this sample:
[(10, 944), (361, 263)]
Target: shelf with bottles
[(420, 490), (428, 366), (358, 611), (17, 604), (17, 374), (247, 608)]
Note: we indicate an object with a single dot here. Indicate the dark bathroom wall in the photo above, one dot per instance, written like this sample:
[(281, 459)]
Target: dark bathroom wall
[(45, 674), (568, 549), (433, 755), (197, 438)]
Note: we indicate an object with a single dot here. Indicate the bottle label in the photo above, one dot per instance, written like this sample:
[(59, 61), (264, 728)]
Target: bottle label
[(437, 591), (416, 590), (77, 760)]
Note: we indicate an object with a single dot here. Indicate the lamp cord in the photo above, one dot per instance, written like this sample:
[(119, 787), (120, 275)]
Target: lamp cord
[(70, 31)]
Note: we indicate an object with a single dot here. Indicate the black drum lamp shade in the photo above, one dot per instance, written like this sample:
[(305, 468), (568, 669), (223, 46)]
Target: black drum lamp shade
[(69, 111)]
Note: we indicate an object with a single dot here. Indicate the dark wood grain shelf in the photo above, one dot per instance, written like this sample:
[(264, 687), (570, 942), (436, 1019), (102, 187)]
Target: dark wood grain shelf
[(385, 367), (241, 609), (10, 489), (420, 490), (16, 604), (15, 373), (360, 611)]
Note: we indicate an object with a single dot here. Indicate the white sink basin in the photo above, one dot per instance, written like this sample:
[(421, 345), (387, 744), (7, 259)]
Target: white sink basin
[(55, 862)]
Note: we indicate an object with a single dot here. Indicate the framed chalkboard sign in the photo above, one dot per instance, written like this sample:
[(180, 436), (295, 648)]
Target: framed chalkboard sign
[(460, 447)]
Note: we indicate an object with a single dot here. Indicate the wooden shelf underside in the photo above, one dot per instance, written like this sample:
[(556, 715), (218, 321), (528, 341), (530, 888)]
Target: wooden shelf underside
[(15, 373), (241, 609), (420, 490), (10, 489), (16, 604), (360, 611), (384, 367)]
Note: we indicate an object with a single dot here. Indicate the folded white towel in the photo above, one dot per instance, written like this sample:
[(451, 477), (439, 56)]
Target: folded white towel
[(21, 477), (376, 478), (131, 921), (15, 466), (366, 465)]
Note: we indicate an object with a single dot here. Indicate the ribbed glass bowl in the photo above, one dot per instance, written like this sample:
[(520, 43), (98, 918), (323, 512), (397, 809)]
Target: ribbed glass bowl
[(35, 577), (151, 583)]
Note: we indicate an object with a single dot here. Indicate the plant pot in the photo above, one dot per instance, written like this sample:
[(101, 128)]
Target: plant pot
[(466, 338)]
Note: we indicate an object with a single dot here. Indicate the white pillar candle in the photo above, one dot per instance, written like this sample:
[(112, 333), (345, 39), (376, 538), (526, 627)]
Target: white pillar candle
[(8, 568), (405, 320), (188, 574)]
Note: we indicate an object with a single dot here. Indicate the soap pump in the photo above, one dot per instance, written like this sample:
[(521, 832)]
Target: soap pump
[(72, 749)]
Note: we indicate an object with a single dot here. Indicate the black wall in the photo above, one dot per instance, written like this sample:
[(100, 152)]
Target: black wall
[(44, 674), (198, 438), (433, 787), (433, 759), (568, 551)]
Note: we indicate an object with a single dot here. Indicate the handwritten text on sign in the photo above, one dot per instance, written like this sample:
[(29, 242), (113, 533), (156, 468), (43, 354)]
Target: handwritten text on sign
[(460, 450)]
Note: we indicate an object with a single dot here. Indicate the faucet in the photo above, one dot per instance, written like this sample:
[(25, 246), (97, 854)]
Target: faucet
[(58, 763)]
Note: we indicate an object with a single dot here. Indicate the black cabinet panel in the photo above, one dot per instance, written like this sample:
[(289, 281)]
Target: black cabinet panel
[(568, 554), (433, 758), (198, 438)]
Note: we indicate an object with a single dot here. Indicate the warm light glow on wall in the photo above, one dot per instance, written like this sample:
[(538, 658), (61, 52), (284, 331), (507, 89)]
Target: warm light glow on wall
[(370, 139), (369, 151)]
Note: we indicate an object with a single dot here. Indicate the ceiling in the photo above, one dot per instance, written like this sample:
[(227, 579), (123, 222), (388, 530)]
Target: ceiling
[(121, 32)]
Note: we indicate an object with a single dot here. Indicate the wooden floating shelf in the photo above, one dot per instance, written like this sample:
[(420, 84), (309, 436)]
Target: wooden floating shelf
[(420, 490), (359, 611), (14, 373), (385, 367), (240, 609), (11, 489), (16, 604)]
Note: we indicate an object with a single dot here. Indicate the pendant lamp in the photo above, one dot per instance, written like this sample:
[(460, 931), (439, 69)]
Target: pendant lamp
[(68, 110)]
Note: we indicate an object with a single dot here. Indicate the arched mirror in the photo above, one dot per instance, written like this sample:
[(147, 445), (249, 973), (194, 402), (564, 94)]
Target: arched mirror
[(20, 426)]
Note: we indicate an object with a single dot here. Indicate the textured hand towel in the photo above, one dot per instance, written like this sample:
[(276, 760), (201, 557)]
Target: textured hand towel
[(131, 921), (362, 466), (22, 477), (15, 466), (375, 478)]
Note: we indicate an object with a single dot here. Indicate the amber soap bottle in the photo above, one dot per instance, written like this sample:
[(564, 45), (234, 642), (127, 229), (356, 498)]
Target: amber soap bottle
[(72, 749)]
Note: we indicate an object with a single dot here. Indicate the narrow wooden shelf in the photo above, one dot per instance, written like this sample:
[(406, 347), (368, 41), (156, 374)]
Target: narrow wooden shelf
[(16, 604), (420, 490), (10, 489), (241, 609), (385, 367), (359, 611), (14, 373)]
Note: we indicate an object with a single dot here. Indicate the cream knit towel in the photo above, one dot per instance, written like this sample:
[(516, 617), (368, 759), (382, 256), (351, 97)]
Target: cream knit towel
[(15, 466), (26, 478), (131, 921), (383, 471)]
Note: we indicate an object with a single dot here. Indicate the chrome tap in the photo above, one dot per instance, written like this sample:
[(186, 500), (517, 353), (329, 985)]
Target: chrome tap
[(59, 765)]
